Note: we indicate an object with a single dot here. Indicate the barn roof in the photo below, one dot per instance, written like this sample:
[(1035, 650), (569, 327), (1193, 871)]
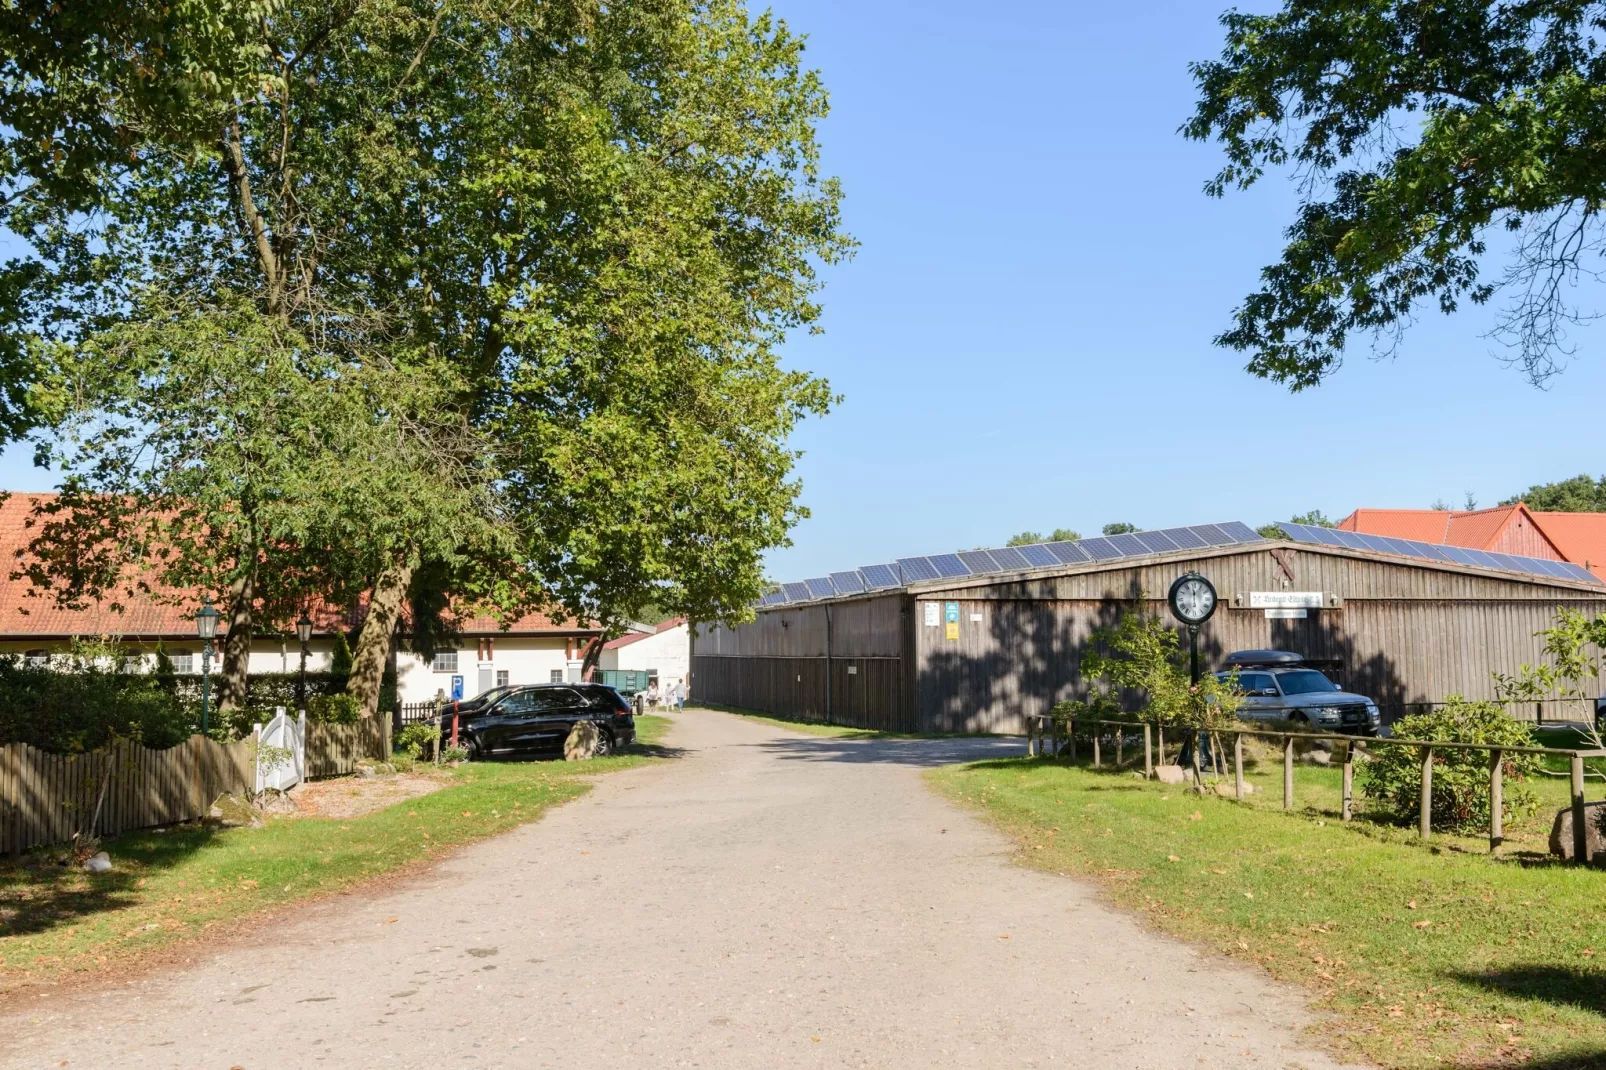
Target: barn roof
[(971, 568)]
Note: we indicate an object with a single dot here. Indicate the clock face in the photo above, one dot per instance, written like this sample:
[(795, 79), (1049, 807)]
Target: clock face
[(1193, 599)]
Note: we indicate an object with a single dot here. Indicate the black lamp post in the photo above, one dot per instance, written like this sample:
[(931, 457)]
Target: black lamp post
[(303, 633), (206, 628)]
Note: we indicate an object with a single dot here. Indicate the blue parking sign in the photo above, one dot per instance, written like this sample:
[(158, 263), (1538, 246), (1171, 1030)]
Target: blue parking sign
[(457, 689)]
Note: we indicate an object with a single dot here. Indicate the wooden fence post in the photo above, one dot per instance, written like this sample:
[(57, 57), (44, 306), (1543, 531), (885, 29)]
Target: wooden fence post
[(1159, 754), (1349, 782), (1097, 731), (1070, 733), (1580, 831), (1120, 743), (1148, 756), (1238, 764), (1288, 772), (1425, 818), (1497, 803)]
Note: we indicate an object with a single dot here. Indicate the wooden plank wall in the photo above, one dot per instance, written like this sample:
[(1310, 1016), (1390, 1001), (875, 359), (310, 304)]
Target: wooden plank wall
[(46, 798), (334, 749)]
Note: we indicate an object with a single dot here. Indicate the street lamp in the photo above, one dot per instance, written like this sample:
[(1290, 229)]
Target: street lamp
[(303, 633), (206, 628)]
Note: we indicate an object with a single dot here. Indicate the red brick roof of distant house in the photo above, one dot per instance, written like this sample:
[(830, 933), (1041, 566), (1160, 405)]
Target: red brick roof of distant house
[(636, 637), (27, 612), (1507, 529)]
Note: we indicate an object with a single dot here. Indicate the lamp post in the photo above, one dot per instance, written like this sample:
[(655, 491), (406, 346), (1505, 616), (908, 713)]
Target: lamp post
[(206, 628), (303, 633)]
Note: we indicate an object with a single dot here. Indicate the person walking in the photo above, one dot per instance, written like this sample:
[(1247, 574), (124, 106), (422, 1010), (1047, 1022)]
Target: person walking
[(652, 695), (680, 696)]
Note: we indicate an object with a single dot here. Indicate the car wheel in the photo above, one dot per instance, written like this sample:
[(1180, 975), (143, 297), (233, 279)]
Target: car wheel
[(1299, 718), (604, 743), (472, 745)]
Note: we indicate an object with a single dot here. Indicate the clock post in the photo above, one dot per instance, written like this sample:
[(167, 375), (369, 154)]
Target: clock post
[(1193, 601)]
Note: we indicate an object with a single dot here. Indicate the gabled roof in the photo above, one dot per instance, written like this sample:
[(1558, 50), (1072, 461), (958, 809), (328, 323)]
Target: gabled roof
[(636, 637), (27, 612), (1581, 537)]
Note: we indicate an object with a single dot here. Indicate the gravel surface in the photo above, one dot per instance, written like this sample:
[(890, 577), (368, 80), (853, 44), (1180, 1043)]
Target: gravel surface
[(766, 900), (353, 796)]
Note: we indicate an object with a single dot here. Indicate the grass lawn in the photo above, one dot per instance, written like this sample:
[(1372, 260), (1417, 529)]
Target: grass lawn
[(177, 883), (832, 731), (1428, 955)]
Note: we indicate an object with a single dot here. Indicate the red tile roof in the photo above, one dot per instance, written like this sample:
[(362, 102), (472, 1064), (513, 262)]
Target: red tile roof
[(636, 637), (26, 611), (1581, 537), (1420, 525)]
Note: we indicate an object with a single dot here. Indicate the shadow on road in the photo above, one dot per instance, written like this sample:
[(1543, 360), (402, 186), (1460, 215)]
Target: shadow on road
[(920, 753)]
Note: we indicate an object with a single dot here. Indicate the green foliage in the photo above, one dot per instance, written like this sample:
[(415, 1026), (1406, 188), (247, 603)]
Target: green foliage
[(1580, 494), (1120, 528), (1393, 775), (454, 754), (334, 709), (1028, 538), (84, 700), (1315, 518), (412, 739), (1417, 130), (340, 657), (1142, 656)]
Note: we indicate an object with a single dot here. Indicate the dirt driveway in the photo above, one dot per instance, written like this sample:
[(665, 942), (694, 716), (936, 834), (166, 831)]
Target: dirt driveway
[(770, 900)]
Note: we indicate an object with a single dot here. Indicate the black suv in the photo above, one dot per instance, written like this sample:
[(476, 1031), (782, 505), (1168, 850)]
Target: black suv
[(513, 720)]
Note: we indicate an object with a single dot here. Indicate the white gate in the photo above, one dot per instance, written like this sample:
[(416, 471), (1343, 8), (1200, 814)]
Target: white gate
[(283, 733)]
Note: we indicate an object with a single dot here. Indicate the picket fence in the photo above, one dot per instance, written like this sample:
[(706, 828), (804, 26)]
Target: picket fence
[(49, 798)]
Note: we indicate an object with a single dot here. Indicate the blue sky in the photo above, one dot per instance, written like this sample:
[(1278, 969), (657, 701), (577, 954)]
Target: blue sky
[(1023, 340)]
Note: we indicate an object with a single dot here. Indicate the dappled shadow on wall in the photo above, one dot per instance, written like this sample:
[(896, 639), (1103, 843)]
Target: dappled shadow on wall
[(916, 753)]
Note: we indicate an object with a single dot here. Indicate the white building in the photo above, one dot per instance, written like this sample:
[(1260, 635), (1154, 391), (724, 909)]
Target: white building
[(663, 653)]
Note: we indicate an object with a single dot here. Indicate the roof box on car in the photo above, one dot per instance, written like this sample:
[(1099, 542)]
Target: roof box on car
[(1262, 659)]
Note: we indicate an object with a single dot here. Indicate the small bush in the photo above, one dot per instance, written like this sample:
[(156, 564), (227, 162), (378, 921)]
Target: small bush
[(1393, 777), (454, 754), (334, 709), (412, 740)]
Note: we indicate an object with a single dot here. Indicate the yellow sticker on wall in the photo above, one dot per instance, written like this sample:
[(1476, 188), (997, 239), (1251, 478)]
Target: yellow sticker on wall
[(951, 615)]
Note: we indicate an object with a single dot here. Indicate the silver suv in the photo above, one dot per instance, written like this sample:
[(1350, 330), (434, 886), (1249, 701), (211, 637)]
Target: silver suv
[(1279, 686)]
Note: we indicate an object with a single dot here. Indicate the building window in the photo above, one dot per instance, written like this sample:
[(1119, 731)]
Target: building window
[(557, 676), (501, 677), (445, 661), (37, 659), (183, 661)]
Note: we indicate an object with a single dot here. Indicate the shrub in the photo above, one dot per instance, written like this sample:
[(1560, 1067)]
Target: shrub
[(334, 709), (84, 708), (454, 754), (412, 740), (1393, 777)]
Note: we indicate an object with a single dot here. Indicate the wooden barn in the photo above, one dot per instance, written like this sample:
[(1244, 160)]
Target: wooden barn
[(973, 642)]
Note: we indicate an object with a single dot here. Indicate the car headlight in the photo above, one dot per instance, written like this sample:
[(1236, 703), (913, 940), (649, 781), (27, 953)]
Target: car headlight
[(1329, 713)]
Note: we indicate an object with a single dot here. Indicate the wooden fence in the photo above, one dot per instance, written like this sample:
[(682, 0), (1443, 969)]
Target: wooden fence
[(49, 797), (334, 749), (1044, 735)]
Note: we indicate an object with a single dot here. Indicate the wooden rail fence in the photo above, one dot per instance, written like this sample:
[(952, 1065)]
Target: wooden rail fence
[(1043, 732), (334, 749), (47, 798)]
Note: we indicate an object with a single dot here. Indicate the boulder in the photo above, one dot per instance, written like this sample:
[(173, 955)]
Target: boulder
[(582, 742), (275, 802), (1561, 833), (370, 767), (100, 862), (1170, 774), (1320, 757), (234, 811), (1226, 790)]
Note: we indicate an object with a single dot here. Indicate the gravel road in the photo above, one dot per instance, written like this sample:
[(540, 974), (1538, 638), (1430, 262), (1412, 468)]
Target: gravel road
[(768, 900)]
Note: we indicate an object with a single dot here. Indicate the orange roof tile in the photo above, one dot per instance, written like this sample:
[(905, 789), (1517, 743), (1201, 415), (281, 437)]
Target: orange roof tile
[(26, 611), (1581, 537), (1420, 525), (636, 637)]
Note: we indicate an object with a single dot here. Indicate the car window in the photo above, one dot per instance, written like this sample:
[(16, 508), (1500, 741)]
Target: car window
[(1304, 682), (1250, 682), (555, 698), (518, 702)]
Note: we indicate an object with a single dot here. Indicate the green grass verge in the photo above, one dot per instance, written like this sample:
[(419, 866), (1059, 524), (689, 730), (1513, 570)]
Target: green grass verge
[(837, 731), (1427, 955), (178, 883)]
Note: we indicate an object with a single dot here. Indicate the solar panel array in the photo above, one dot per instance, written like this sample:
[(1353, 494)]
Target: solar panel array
[(1426, 551), (907, 570)]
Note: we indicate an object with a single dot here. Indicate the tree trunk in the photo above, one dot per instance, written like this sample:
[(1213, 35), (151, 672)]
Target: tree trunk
[(378, 630), (594, 655), (233, 676)]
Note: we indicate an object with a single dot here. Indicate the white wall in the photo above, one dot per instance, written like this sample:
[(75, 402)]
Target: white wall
[(266, 655), (525, 659), (668, 653)]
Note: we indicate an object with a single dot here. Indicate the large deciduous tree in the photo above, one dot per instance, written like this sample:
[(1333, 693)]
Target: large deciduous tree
[(1420, 132), (589, 225)]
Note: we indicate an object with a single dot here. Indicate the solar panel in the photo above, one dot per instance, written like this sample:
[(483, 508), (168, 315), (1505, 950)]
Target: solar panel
[(1186, 539), (848, 582), (1040, 556), (1401, 547), (820, 587), (1555, 568), (774, 598), (979, 560), (1155, 542), (1100, 549), (1240, 531), (1068, 553), (1350, 539), (1457, 555), (877, 577), (1011, 558), (1128, 545), (1212, 535), (948, 566), (916, 569), (1580, 572), (796, 592)]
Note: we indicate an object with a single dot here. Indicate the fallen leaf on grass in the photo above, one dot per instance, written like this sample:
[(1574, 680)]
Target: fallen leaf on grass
[(1173, 858), (391, 921), (1196, 816), (1249, 895), (1219, 872), (1421, 924)]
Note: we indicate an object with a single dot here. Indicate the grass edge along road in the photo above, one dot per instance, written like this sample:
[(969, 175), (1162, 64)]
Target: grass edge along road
[(838, 731), (1424, 958), (181, 883)]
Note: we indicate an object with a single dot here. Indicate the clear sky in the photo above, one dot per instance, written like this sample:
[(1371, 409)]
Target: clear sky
[(1023, 340)]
